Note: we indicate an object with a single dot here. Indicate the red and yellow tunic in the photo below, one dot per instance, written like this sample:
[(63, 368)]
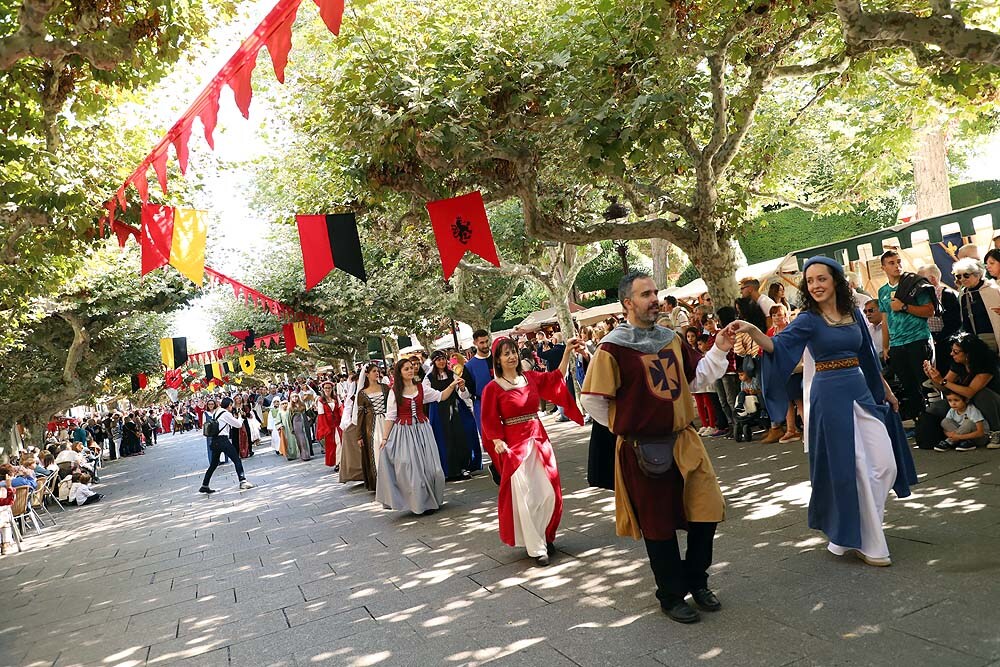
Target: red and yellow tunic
[(650, 395)]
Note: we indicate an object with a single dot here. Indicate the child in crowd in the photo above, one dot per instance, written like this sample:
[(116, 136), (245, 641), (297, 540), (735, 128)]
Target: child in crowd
[(80, 492), (704, 399), (964, 426)]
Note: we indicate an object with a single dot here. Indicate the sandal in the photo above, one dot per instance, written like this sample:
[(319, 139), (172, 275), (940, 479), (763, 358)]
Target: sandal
[(790, 436)]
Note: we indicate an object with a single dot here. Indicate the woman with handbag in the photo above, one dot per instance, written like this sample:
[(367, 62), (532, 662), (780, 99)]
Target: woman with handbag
[(530, 498)]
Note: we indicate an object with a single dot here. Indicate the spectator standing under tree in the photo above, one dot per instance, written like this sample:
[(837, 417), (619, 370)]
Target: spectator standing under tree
[(750, 289), (677, 314), (969, 274), (907, 302), (948, 322)]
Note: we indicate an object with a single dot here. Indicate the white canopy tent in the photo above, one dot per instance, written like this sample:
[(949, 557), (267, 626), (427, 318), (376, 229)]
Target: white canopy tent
[(446, 341), (767, 272), (598, 313), (539, 318)]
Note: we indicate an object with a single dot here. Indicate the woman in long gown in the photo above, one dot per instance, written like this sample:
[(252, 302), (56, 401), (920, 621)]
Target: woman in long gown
[(856, 444), (274, 419), (299, 427), (369, 418), (530, 498), (328, 411), (409, 472), (131, 444), (451, 419)]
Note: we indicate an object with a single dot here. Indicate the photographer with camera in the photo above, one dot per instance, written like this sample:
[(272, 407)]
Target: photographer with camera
[(219, 425)]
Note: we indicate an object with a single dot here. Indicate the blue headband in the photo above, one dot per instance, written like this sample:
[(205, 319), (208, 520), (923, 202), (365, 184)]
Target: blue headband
[(819, 259)]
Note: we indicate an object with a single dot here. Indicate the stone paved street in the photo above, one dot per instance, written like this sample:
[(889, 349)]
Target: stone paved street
[(305, 571)]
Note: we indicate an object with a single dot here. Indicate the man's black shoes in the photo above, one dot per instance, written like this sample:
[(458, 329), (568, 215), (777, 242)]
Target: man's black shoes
[(680, 611), (706, 600), (205, 489)]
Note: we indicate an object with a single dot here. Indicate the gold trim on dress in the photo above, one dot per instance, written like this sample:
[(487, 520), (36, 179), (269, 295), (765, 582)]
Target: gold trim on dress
[(518, 420)]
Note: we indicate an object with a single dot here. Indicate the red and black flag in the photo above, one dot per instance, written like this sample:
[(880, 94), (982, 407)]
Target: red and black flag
[(139, 381), (460, 224), (173, 352), (245, 335), (330, 242)]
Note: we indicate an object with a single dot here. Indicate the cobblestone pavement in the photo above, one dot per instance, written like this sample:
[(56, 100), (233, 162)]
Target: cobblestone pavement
[(305, 571)]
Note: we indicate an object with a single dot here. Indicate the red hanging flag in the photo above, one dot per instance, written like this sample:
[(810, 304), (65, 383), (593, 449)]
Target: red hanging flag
[(460, 224), (141, 183), (160, 167), (279, 43), (332, 12), (288, 331), (157, 236), (173, 379), (123, 231), (329, 242), (182, 133), (209, 114)]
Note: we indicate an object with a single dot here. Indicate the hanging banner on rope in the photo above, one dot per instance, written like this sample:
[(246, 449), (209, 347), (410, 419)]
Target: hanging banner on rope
[(173, 352), (330, 242), (295, 336), (174, 236), (139, 381), (460, 224), (274, 33), (248, 363)]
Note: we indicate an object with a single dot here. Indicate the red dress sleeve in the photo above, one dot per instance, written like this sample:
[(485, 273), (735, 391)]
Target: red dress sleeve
[(490, 412), (552, 387)]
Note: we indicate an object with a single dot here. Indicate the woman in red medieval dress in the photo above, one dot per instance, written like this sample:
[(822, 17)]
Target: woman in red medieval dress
[(328, 414), (530, 498)]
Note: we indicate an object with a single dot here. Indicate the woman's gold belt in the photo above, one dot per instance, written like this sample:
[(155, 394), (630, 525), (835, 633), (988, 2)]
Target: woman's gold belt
[(837, 364), (519, 420)]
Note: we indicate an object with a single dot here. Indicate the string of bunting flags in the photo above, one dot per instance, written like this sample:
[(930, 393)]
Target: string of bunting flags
[(274, 33)]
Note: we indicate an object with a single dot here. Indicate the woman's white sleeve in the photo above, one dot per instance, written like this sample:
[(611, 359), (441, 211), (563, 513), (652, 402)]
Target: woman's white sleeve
[(431, 395), (390, 407)]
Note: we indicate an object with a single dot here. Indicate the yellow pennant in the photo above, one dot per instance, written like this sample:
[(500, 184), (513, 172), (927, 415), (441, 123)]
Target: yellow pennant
[(300, 335), (248, 363)]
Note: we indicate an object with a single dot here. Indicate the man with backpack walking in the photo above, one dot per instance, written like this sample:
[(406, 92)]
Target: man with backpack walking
[(218, 425)]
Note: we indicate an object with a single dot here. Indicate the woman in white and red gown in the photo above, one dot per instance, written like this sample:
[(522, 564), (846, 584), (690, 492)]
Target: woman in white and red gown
[(530, 498)]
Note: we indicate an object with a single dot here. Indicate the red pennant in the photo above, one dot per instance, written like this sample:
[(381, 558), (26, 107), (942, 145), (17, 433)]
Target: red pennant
[(288, 331), (111, 205), (123, 231), (332, 12), (121, 197), (279, 43), (141, 183), (239, 81), (460, 224), (160, 166), (209, 114), (173, 379), (157, 236), (182, 133)]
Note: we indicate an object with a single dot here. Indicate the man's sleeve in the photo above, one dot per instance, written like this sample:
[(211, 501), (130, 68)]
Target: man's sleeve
[(600, 386)]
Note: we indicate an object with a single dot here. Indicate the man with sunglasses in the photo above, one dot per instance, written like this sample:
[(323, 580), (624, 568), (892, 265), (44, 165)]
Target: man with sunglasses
[(907, 301), (876, 322)]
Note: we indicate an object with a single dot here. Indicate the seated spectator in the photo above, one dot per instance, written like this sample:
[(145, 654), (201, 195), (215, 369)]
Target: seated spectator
[(49, 463), (963, 426), (6, 500), (80, 492), (24, 477), (973, 375)]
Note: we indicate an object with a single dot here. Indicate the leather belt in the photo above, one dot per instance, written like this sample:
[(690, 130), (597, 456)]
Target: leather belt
[(837, 364), (519, 420)]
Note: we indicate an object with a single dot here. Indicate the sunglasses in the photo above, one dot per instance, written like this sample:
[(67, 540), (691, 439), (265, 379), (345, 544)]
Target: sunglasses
[(960, 276)]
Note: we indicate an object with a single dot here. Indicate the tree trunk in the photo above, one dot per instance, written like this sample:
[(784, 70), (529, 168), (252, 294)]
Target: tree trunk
[(717, 263), (930, 173), (660, 251)]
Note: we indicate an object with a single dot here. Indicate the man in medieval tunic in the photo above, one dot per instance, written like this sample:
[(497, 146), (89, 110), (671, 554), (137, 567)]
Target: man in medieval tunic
[(639, 384)]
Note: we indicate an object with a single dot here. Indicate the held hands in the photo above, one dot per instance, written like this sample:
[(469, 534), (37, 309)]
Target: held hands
[(577, 345)]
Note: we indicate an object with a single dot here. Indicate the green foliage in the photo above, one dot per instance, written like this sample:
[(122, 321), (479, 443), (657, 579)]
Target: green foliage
[(688, 274), (604, 272), (976, 192)]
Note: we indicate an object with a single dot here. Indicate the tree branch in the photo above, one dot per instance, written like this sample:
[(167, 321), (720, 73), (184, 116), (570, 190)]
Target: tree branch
[(834, 64), (720, 105), (17, 223), (944, 28), (78, 349)]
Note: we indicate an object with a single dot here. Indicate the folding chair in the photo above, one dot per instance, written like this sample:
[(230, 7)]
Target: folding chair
[(7, 515), (38, 500), (52, 491), (22, 508)]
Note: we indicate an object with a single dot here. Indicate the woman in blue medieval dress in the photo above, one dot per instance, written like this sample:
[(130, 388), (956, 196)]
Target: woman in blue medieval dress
[(855, 440)]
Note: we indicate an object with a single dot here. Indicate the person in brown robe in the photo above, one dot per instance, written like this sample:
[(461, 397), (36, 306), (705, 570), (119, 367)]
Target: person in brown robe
[(639, 384)]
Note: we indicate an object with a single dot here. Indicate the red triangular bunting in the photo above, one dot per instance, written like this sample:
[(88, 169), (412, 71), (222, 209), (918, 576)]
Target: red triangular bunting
[(279, 43), (141, 183), (239, 81), (157, 236), (209, 114), (160, 166), (183, 134), (332, 12), (121, 197)]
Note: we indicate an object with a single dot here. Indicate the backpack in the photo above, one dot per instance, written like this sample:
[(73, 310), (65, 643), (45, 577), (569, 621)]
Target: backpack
[(211, 427)]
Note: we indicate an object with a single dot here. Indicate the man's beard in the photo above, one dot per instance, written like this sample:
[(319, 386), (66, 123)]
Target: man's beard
[(649, 316)]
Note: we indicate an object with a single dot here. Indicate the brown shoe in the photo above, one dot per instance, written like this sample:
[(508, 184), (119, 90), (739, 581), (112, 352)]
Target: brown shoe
[(773, 435)]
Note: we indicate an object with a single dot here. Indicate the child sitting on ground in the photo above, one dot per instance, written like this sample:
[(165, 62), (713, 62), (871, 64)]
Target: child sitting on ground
[(80, 492), (964, 426)]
